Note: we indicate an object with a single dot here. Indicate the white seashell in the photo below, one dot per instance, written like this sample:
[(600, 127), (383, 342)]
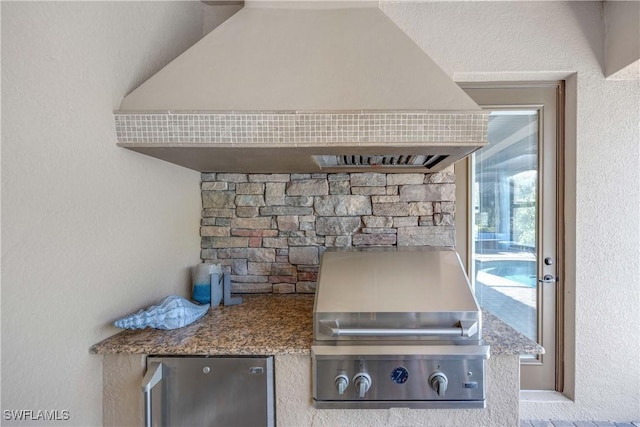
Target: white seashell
[(173, 312)]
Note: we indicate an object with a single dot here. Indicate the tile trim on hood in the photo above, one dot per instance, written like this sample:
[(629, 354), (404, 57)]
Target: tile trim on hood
[(301, 129)]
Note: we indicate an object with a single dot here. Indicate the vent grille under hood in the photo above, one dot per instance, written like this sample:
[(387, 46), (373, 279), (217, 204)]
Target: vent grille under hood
[(402, 160), (303, 89)]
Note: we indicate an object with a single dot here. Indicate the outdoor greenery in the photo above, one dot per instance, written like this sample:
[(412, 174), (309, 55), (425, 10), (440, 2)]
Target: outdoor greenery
[(524, 187)]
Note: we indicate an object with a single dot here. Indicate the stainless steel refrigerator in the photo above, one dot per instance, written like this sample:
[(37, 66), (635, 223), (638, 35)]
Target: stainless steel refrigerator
[(209, 391)]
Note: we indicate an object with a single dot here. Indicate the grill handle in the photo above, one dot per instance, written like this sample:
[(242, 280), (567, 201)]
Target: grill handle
[(464, 329)]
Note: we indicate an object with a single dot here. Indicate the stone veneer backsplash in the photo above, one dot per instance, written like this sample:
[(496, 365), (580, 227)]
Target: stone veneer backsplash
[(269, 230)]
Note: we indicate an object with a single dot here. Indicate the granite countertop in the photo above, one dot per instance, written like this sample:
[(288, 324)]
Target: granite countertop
[(269, 324)]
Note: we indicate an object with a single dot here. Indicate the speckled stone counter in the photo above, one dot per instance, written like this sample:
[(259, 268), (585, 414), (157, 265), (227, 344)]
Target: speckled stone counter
[(503, 339), (269, 324)]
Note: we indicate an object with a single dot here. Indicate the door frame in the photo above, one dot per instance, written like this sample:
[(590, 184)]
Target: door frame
[(526, 95)]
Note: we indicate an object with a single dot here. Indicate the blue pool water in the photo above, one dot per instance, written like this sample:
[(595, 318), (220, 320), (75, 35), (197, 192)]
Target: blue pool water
[(526, 280), (520, 271)]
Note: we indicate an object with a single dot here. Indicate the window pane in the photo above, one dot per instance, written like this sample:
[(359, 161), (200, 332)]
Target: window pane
[(505, 189)]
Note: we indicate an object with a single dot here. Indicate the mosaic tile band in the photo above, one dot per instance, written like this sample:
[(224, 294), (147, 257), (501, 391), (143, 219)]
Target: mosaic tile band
[(308, 128)]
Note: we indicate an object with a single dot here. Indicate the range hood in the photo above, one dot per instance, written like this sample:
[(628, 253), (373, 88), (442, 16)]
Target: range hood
[(303, 87)]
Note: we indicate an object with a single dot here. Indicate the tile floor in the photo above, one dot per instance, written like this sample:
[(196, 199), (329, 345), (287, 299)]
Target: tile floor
[(561, 423)]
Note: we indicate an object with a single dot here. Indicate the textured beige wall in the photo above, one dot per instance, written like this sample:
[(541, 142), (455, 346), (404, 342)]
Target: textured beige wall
[(90, 231), (294, 405), (214, 15), (122, 399)]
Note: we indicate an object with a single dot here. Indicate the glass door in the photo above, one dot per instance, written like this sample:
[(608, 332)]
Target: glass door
[(513, 217), (504, 219)]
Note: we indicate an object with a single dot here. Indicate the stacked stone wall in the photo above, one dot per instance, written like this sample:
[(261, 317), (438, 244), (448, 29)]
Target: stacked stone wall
[(270, 230)]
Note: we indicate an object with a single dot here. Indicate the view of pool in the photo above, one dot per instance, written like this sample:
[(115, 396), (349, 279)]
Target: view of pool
[(520, 271)]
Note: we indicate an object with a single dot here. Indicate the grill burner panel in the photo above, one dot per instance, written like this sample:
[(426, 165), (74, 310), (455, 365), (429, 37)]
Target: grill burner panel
[(463, 371), (396, 328)]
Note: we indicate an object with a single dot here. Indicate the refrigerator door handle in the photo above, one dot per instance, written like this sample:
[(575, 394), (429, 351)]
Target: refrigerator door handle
[(151, 378)]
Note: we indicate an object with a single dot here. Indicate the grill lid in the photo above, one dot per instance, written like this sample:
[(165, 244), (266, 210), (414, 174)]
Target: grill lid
[(404, 293)]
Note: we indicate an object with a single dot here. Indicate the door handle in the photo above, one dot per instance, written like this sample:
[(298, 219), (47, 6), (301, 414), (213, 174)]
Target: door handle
[(548, 278), (151, 378)]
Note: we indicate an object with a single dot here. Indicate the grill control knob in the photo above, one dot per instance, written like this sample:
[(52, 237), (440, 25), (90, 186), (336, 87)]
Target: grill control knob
[(362, 381), (341, 381), (438, 382)]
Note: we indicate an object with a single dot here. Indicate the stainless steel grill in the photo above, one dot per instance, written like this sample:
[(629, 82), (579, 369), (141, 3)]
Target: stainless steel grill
[(396, 328)]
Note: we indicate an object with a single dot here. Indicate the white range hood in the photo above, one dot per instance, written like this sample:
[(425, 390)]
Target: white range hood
[(303, 88)]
